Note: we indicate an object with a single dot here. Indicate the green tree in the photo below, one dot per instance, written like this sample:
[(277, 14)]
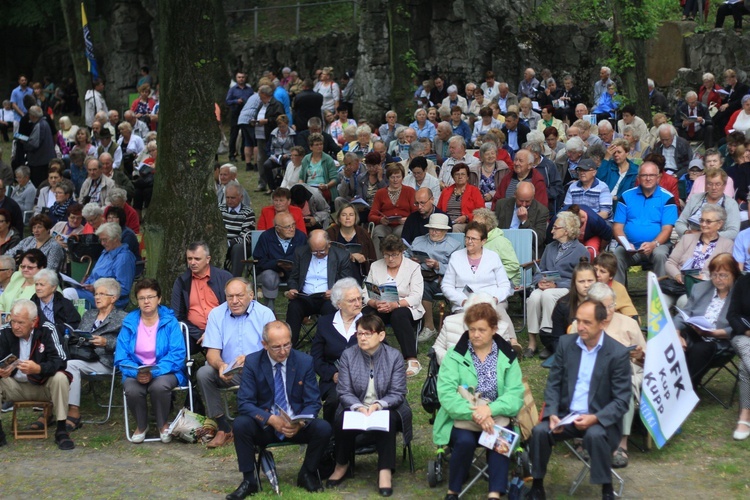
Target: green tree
[(184, 205)]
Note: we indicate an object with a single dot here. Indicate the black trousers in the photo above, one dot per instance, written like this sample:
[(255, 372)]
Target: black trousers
[(4, 127), (698, 355), (305, 306), (330, 398), (234, 131), (736, 10), (249, 433), (404, 327), (598, 440), (385, 442)]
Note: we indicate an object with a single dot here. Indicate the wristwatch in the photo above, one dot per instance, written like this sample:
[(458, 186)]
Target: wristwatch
[(657, 243)]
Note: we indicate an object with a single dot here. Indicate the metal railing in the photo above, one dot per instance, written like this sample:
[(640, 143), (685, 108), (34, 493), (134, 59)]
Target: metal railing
[(298, 7)]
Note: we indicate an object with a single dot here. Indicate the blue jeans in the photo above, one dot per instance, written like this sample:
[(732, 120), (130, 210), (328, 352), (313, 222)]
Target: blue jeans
[(463, 444)]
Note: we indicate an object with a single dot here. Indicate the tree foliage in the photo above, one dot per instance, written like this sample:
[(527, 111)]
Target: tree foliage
[(29, 13)]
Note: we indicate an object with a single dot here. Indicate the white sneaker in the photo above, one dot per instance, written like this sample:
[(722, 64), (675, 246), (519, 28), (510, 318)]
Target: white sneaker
[(426, 334), (166, 437), (138, 438)]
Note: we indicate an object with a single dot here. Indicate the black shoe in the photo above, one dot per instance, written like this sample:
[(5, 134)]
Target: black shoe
[(3, 441), (245, 489), (610, 495), (451, 496), (332, 483), (63, 441), (309, 482), (537, 494), (385, 492), (7, 406)]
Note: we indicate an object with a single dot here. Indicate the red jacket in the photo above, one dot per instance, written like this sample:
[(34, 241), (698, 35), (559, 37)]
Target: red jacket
[(382, 206), (470, 201), (536, 178), (713, 95), (268, 213)]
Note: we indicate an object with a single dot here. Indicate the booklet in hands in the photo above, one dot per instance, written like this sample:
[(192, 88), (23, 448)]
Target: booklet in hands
[(501, 440), (293, 420), (8, 361)]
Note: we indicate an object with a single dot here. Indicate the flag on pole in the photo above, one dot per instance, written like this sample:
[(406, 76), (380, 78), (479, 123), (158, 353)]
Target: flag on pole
[(667, 395), (89, 46)]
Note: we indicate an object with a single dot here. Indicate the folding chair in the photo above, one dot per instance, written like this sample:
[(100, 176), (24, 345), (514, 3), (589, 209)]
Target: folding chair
[(225, 391), (80, 269), (439, 297), (585, 472), (179, 388), (722, 360), (524, 242), (92, 378)]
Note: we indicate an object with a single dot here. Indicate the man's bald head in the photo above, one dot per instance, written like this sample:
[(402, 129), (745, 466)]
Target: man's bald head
[(283, 219), (525, 193)]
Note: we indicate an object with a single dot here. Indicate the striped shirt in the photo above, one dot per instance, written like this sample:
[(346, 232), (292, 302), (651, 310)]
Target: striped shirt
[(237, 221), (597, 197)]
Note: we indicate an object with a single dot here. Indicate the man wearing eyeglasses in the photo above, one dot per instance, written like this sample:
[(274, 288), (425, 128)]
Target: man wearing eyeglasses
[(275, 379), (233, 331), (589, 191), (643, 223), (317, 266), (7, 268), (274, 254), (416, 221)]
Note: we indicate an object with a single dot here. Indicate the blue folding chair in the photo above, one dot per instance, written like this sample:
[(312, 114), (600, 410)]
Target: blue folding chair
[(524, 242)]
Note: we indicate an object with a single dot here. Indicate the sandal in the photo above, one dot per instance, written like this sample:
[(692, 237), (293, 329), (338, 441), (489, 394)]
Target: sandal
[(620, 458), (63, 441), (75, 423), (413, 368), (38, 425), (741, 435), (581, 450)]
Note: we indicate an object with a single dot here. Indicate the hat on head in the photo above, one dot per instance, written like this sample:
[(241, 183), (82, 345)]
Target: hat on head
[(104, 133), (438, 221), (696, 164), (586, 164)]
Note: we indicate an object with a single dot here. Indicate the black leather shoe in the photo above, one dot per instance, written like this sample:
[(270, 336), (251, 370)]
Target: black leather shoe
[(385, 492), (610, 495), (246, 489), (3, 441), (332, 483), (451, 496), (309, 482)]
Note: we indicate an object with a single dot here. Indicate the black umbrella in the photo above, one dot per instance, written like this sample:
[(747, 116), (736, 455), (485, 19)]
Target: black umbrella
[(268, 464)]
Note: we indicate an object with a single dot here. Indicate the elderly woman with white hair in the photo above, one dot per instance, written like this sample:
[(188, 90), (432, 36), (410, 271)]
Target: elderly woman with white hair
[(53, 307), (568, 162), (103, 323), (118, 197), (740, 119), (128, 141), (361, 146), (116, 261), (454, 99), (94, 216), (554, 272), (422, 125), (335, 332), (627, 332)]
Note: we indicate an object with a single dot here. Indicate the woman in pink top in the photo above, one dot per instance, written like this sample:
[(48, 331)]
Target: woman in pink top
[(150, 354)]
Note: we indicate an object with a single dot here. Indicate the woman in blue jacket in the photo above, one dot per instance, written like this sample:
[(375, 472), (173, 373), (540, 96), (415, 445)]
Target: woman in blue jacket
[(617, 171), (150, 336)]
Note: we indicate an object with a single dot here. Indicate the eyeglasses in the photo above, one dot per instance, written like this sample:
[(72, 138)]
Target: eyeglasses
[(287, 227), (279, 348), (721, 276), (97, 295), (421, 203), (391, 255), (148, 298), (365, 334), (708, 221), (6, 269), (715, 184), (471, 239)]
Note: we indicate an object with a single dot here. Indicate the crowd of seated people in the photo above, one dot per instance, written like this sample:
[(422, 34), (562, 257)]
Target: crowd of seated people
[(354, 208)]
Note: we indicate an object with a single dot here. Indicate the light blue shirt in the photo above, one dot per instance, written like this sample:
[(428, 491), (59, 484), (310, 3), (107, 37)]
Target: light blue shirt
[(236, 335), (513, 139), (317, 276), (249, 110), (284, 243), (580, 401), (741, 249)]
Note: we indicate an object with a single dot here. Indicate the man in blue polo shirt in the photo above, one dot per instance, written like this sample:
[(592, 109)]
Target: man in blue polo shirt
[(644, 217), (234, 330)]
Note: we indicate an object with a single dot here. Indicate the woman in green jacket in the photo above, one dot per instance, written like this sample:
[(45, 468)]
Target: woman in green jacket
[(484, 361), (319, 170)]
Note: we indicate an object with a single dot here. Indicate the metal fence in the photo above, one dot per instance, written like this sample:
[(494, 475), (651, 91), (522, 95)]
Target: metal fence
[(297, 7)]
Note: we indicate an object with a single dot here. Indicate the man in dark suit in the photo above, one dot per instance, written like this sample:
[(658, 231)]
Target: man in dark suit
[(315, 126), (273, 379), (317, 266), (307, 104), (656, 99), (515, 131), (692, 120), (591, 378), (522, 211)]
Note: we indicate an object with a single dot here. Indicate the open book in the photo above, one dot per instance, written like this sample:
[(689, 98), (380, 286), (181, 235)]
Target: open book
[(566, 420), (699, 322), (502, 440), (232, 369), (387, 292), (140, 369), (629, 247), (358, 200), (375, 421), (552, 276), (352, 248), (9, 360), (295, 419)]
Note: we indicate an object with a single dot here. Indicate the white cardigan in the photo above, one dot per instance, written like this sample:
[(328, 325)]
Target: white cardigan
[(408, 281), (452, 330), (490, 278)]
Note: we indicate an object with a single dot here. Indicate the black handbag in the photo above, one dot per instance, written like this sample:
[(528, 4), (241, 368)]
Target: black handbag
[(430, 401), (670, 286), (80, 348)]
